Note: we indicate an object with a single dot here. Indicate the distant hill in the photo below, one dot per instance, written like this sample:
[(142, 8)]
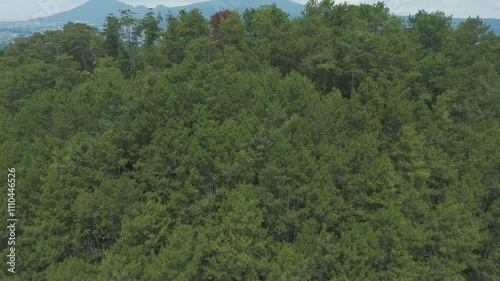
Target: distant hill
[(494, 23), (95, 11), (210, 7)]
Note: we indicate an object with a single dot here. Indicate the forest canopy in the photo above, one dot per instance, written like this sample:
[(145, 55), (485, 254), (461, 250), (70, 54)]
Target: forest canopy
[(345, 144)]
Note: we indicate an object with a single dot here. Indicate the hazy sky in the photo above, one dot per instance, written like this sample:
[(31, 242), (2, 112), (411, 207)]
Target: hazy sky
[(26, 9)]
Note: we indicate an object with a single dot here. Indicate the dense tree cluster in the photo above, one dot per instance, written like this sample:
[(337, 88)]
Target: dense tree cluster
[(346, 144)]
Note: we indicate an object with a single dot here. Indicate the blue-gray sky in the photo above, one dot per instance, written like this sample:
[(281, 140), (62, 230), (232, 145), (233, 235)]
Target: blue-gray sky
[(11, 10)]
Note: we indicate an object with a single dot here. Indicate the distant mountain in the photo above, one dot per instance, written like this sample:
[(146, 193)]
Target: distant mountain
[(95, 11), (210, 7), (92, 12), (493, 23)]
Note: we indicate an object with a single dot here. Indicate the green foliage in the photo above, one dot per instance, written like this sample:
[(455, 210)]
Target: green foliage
[(430, 29), (111, 34), (345, 144), (150, 26), (82, 43), (71, 269)]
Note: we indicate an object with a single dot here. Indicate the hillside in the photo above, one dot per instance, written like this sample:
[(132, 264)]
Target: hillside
[(342, 144)]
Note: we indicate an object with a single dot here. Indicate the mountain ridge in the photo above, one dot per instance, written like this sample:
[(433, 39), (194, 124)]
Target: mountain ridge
[(95, 11)]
